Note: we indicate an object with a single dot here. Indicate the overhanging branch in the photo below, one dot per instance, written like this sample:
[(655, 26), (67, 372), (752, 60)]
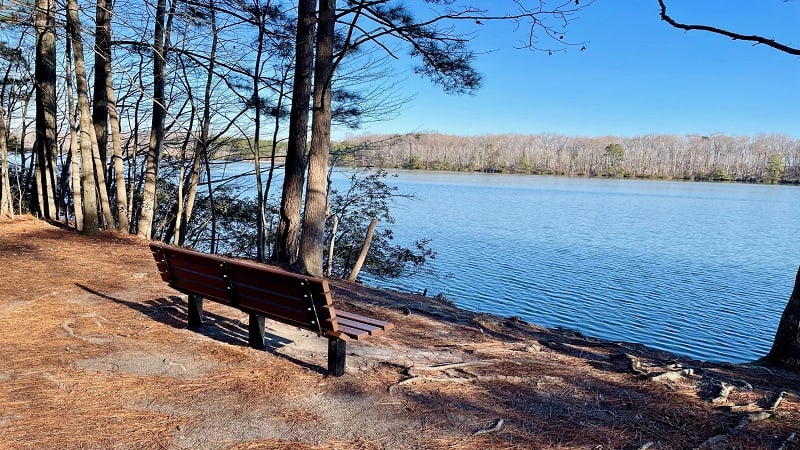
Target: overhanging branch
[(735, 36)]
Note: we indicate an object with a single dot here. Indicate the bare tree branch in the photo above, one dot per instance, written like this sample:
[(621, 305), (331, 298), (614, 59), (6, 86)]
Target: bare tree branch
[(735, 36)]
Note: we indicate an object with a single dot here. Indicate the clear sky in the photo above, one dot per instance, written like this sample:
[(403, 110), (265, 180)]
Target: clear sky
[(637, 76)]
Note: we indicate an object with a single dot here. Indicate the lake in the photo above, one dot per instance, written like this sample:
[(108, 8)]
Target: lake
[(699, 269)]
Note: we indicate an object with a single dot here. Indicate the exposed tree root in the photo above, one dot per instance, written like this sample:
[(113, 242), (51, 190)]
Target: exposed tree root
[(673, 376), (725, 390), (462, 377), (448, 366), (751, 418), (634, 365), (496, 426)]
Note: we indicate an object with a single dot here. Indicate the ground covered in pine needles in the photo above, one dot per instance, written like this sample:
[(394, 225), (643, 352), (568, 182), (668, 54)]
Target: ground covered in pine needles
[(96, 355)]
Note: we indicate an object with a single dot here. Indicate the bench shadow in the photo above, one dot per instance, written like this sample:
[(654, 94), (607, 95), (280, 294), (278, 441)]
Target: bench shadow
[(172, 311)]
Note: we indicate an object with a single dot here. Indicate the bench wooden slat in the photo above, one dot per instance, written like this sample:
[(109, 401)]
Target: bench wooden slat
[(353, 333), (287, 286), (298, 318), (370, 329), (190, 281), (385, 326)]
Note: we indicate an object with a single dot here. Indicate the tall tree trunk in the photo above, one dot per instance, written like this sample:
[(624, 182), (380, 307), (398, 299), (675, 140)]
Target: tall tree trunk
[(5, 181), (287, 242), (157, 124), (362, 256), (785, 350), (105, 105), (102, 70), (90, 208), (201, 147), (26, 173), (312, 243), (75, 171), (123, 212), (74, 150), (45, 145), (261, 235)]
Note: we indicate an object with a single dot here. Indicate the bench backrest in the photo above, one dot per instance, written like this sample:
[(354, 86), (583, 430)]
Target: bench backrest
[(254, 288)]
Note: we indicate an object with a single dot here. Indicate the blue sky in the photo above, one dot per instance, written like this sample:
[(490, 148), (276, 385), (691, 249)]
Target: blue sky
[(638, 76)]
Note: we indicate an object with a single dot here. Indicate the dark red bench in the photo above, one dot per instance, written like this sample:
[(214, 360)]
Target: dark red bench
[(262, 291)]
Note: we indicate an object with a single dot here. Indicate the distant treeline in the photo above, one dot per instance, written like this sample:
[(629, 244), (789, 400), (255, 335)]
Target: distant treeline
[(760, 159)]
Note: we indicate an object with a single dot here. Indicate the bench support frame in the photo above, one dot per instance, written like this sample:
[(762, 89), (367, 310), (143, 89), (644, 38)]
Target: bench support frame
[(337, 352), (255, 331), (337, 348), (195, 311)]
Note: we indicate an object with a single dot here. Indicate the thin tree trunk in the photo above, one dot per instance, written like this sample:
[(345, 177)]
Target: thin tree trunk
[(287, 242), (90, 211), (5, 181), (312, 244), (332, 246), (123, 212), (133, 166), (275, 131), (99, 168), (26, 173), (364, 250), (201, 149), (213, 241), (188, 195), (785, 350), (157, 127), (74, 150), (260, 218)]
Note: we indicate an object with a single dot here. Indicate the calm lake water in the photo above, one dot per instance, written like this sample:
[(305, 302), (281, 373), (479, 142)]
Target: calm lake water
[(699, 269)]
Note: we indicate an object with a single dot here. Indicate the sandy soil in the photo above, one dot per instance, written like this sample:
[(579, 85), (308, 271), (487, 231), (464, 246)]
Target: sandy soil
[(96, 355)]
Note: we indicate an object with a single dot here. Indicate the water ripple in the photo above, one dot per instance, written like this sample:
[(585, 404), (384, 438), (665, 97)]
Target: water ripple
[(688, 268)]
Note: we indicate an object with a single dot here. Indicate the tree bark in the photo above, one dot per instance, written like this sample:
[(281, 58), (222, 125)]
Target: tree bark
[(105, 106), (74, 149), (287, 242), (332, 246), (261, 235), (99, 163), (5, 181), (312, 243), (145, 226), (102, 70), (364, 250), (90, 209), (45, 145), (785, 350)]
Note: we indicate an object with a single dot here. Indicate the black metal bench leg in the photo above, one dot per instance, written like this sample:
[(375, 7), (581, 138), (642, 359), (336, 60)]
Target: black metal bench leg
[(195, 311), (255, 331), (337, 352)]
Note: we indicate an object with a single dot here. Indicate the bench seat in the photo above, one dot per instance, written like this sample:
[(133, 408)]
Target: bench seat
[(263, 291)]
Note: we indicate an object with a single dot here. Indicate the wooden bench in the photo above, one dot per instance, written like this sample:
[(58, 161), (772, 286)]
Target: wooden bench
[(262, 291)]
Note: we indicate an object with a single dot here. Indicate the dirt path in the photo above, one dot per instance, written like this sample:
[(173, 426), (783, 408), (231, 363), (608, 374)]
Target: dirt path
[(95, 354)]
